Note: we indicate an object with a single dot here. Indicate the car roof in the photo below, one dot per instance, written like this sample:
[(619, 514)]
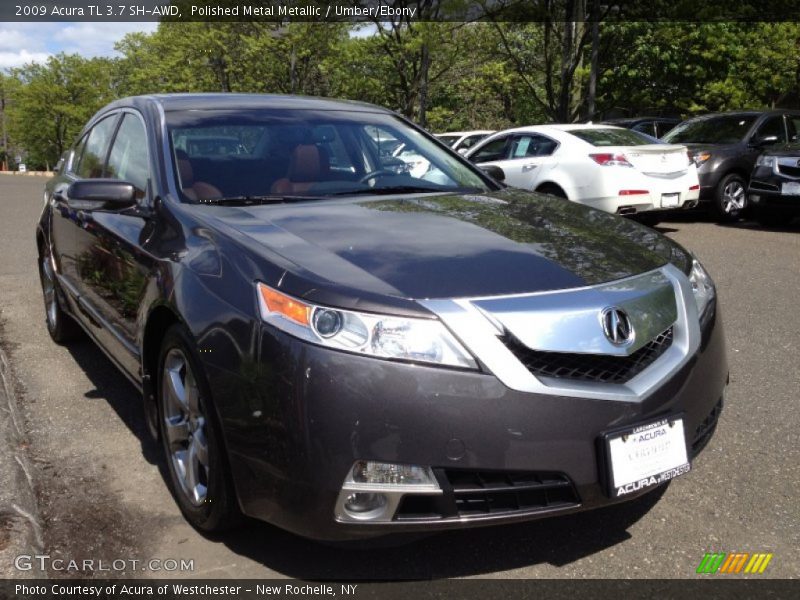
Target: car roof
[(745, 113), (638, 120), (561, 127), (174, 102), (463, 133)]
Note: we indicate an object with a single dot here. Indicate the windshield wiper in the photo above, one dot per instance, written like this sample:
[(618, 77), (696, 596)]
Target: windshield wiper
[(252, 200)]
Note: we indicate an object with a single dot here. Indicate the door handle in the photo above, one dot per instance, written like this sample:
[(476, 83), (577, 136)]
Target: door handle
[(529, 167)]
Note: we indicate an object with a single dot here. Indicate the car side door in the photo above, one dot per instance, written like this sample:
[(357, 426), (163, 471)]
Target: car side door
[(769, 131), (113, 266), (529, 159)]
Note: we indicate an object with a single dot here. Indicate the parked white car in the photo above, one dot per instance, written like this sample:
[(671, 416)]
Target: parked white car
[(462, 141), (606, 167)]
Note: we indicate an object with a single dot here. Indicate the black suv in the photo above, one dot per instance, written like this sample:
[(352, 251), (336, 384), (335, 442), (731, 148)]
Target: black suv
[(775, 185), (725, 147), (656, 127)]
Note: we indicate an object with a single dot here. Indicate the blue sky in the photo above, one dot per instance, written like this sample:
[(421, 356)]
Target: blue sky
[(22, 43)]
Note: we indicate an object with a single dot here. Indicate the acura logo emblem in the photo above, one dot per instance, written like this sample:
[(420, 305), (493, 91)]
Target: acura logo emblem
[(617, 326)]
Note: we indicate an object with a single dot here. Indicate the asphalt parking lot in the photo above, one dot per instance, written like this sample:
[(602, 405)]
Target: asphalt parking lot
[(101, 492)]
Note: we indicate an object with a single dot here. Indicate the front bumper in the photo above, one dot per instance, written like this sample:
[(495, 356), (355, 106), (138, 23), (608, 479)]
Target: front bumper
[(296, 421), (765, 194)]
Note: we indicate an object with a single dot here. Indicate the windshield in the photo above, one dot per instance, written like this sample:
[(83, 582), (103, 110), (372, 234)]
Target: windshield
[(611, 137), (729, 129), (308, 153)]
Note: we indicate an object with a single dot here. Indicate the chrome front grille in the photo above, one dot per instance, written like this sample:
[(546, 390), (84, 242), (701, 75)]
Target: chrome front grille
[(789, 166), (598, 368)]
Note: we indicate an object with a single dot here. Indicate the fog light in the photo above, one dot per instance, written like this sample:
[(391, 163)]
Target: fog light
[(376, 473), (755, 198), (361, 503)]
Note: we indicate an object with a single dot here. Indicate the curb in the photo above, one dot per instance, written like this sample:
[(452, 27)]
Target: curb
[(20, 525)]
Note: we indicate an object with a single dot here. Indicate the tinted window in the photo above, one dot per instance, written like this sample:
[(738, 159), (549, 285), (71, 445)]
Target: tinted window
[(793, 122), (609, 137), (94, 154), (647, 127), (772, 127), (471, 140), (128, 159), (532, 145), (494, 150), (663, 127), (728, 129)]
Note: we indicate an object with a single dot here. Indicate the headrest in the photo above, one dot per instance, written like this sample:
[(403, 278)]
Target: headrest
[(308, 164)]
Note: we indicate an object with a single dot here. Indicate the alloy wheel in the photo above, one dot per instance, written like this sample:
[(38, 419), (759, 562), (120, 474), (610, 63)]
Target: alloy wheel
[(734, 198), (49, 291), (185, 427)]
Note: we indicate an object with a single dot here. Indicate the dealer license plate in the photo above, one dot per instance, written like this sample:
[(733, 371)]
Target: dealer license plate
[(646, 455), (790, 188), (670, 200)]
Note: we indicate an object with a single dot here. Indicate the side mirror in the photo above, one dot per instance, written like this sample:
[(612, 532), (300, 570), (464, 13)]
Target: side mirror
[(494, 172), (107, 194), (764, 140)]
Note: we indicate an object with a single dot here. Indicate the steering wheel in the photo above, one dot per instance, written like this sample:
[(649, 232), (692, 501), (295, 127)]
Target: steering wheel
[(374, 174)]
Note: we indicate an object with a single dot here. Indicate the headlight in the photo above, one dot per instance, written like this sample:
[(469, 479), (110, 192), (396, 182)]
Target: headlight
[(701, 157), (765, 161), (402, 338), (702, 288)]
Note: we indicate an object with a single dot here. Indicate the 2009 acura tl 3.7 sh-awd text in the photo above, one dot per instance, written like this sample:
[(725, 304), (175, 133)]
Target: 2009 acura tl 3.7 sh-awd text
[(330, 344)]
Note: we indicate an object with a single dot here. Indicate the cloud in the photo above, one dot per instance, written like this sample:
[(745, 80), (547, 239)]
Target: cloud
[(9, 60), (22, 43), (96, 39)]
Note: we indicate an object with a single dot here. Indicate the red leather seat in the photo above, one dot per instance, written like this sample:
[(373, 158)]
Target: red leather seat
[(194, 190), (308, 165)]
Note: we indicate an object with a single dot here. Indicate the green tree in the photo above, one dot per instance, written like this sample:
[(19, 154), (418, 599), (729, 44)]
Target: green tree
[(51, 102)]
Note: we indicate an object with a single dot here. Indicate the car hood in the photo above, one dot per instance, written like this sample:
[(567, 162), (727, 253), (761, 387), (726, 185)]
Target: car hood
[(783, 150), (444, 246)]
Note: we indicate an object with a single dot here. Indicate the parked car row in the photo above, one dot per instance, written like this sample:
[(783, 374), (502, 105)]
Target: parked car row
[(728, 162)]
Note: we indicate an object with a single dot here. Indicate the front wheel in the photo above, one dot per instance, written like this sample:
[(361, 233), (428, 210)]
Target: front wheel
[(731, 198), (190, 437)]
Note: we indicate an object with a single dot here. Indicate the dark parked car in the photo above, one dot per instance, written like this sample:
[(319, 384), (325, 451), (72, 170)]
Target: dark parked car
[(725, 148), (655, 127), (775, 185), (346, 351)]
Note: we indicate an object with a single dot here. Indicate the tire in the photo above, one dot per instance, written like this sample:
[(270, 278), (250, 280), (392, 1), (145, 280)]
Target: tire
[(552, 190), (193, 448), (730, 198), (60, 325)]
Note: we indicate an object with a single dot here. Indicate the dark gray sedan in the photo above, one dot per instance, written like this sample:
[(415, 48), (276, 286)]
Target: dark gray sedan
[(329, 343)]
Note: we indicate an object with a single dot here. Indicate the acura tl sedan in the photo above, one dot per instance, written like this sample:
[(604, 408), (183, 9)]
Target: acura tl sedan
[(344, 350), (609, 168)]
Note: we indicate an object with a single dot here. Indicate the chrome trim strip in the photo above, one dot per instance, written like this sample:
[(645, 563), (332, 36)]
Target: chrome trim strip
[(481, 336)]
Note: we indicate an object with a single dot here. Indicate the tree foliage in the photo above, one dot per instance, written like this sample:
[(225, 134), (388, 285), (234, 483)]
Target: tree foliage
[(445, 75)]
